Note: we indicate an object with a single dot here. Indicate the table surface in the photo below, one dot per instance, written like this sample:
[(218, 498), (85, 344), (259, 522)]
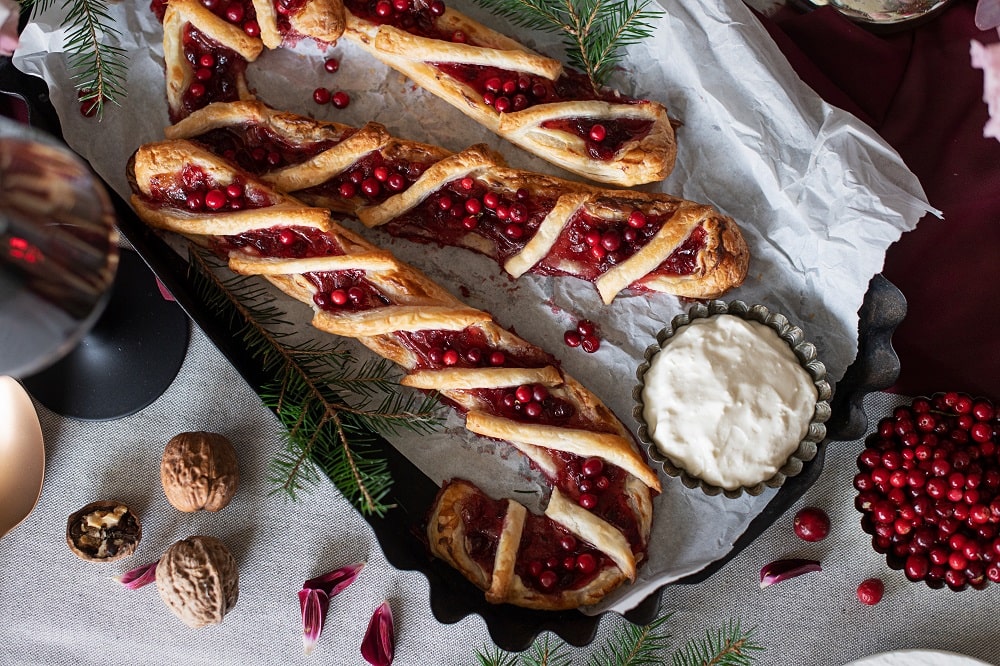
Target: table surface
[(63, 610)]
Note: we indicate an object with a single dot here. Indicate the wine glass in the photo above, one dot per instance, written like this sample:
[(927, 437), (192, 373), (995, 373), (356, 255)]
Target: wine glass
[(58, 249)]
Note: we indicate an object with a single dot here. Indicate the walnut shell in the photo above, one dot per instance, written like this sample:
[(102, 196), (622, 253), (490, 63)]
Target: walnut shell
[(199, 471), (103, 531), (198, 580)]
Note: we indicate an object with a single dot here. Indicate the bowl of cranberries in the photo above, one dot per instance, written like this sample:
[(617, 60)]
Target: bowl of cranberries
[(928, 487)]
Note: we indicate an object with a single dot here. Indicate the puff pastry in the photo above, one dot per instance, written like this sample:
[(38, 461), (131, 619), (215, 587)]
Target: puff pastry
[(205, 57), (524, 97), (526, 221), (595, 529), (288, 21)]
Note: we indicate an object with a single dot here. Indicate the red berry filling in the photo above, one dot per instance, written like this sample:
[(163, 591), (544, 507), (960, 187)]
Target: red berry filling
[(467, 348), (483, 519), (283, 242), (553, 560), (212, 83), (371, 180), (258, 149), (604, 138), (195, 190), (929, 491), (346, 291), (466, 207), (414, 16)]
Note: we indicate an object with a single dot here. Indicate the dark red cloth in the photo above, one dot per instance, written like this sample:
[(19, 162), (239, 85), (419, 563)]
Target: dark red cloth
[(917, 88)]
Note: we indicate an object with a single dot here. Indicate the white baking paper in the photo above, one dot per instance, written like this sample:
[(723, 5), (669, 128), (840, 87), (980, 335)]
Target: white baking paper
[(817, 193)]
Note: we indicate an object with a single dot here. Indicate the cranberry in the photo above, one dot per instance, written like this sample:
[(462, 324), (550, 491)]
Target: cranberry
[(811, 524), (234, 12), (321, 96), (437, 8), (340, 99), (331, 65), (548, 579), (567, 542), (587, 500), (590, 343), (586, 563), (215, 199), (572, 338), (636, 219), (592, 466), (598, 133), (870, 591)]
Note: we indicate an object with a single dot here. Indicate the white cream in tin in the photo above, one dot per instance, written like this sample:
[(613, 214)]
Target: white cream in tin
[(727, 400)]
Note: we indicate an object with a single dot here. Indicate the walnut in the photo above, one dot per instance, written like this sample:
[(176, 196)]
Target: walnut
[(198, 580), (199, 471), (103, 531)]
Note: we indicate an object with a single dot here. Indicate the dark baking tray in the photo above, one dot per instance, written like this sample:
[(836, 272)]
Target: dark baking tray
[(452, 598)]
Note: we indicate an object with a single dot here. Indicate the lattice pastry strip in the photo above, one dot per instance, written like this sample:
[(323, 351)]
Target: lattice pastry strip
[(524, 97), (599, 515), (527, 221), (288, 21)]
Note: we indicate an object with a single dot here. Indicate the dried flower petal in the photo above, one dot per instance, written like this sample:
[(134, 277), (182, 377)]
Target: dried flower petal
[(378, 644), (139, 577), (333, 583), (314, 604), (780, 570)]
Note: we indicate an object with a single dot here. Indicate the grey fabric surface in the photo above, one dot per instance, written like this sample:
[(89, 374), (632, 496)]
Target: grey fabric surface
[(58, 609)]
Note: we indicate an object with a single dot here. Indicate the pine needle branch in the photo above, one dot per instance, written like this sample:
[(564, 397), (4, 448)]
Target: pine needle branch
[(727, 646), (100, 68), (594, 31), (633, 645), (324, 433)]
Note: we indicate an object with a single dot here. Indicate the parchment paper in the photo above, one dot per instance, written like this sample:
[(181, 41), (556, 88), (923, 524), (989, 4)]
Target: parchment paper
[(817, 193)]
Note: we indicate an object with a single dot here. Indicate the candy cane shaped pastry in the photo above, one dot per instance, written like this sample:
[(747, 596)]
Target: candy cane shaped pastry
[(522, 96), (526, 221), (205, 56), (594, 532)]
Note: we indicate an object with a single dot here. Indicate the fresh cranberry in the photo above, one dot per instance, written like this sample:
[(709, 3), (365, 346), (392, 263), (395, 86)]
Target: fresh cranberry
[(598, 133), (321, 96), (590, 343), (331, 65), (572, 338), (586, 563), (811, 524), (870, 591)]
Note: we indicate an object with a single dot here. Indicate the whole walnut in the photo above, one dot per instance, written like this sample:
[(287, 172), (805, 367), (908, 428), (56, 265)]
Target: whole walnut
[(199, 471), (198, 580)]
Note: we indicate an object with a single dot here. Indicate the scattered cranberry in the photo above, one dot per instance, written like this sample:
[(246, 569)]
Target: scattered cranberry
[(331, 65), (590, 343), (321, 96), (572, 339), (340, 99), (811, 524), (870, 591)]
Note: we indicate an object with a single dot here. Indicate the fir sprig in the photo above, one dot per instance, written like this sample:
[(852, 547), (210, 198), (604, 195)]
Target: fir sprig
[(727, 646), (594, 32), (640, 646), (99, 68), (325, 434)]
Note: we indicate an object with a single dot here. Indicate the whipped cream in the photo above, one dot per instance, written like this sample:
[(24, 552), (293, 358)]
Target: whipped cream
[(727, 400)]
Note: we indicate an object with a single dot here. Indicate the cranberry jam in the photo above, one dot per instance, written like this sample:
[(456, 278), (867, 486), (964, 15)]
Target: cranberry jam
[(483, 519), (216, 70), (605, 138), (371, 180), (258, 149), (553, 560), (197, 191), (466, 207)]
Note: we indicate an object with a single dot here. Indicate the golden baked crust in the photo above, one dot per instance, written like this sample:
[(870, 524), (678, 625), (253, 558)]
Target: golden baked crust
[(645, 160), (720, 262), (164, 175), (321, 20)]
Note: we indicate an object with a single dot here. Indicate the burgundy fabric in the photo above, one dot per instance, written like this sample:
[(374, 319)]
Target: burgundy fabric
[(918, 89)]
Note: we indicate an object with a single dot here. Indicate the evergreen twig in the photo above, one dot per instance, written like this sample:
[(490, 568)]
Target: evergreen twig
[(325, 434), (633, 645), (100, 69), (594, 32)]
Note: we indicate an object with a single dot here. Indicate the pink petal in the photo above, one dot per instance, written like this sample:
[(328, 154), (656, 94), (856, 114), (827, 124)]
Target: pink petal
[(333, 583), (378, 644), (314, 605), (987, 14), (987, 58), (139, 577)]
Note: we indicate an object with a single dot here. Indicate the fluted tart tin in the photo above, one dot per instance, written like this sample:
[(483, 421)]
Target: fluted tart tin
[(812, 407)]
